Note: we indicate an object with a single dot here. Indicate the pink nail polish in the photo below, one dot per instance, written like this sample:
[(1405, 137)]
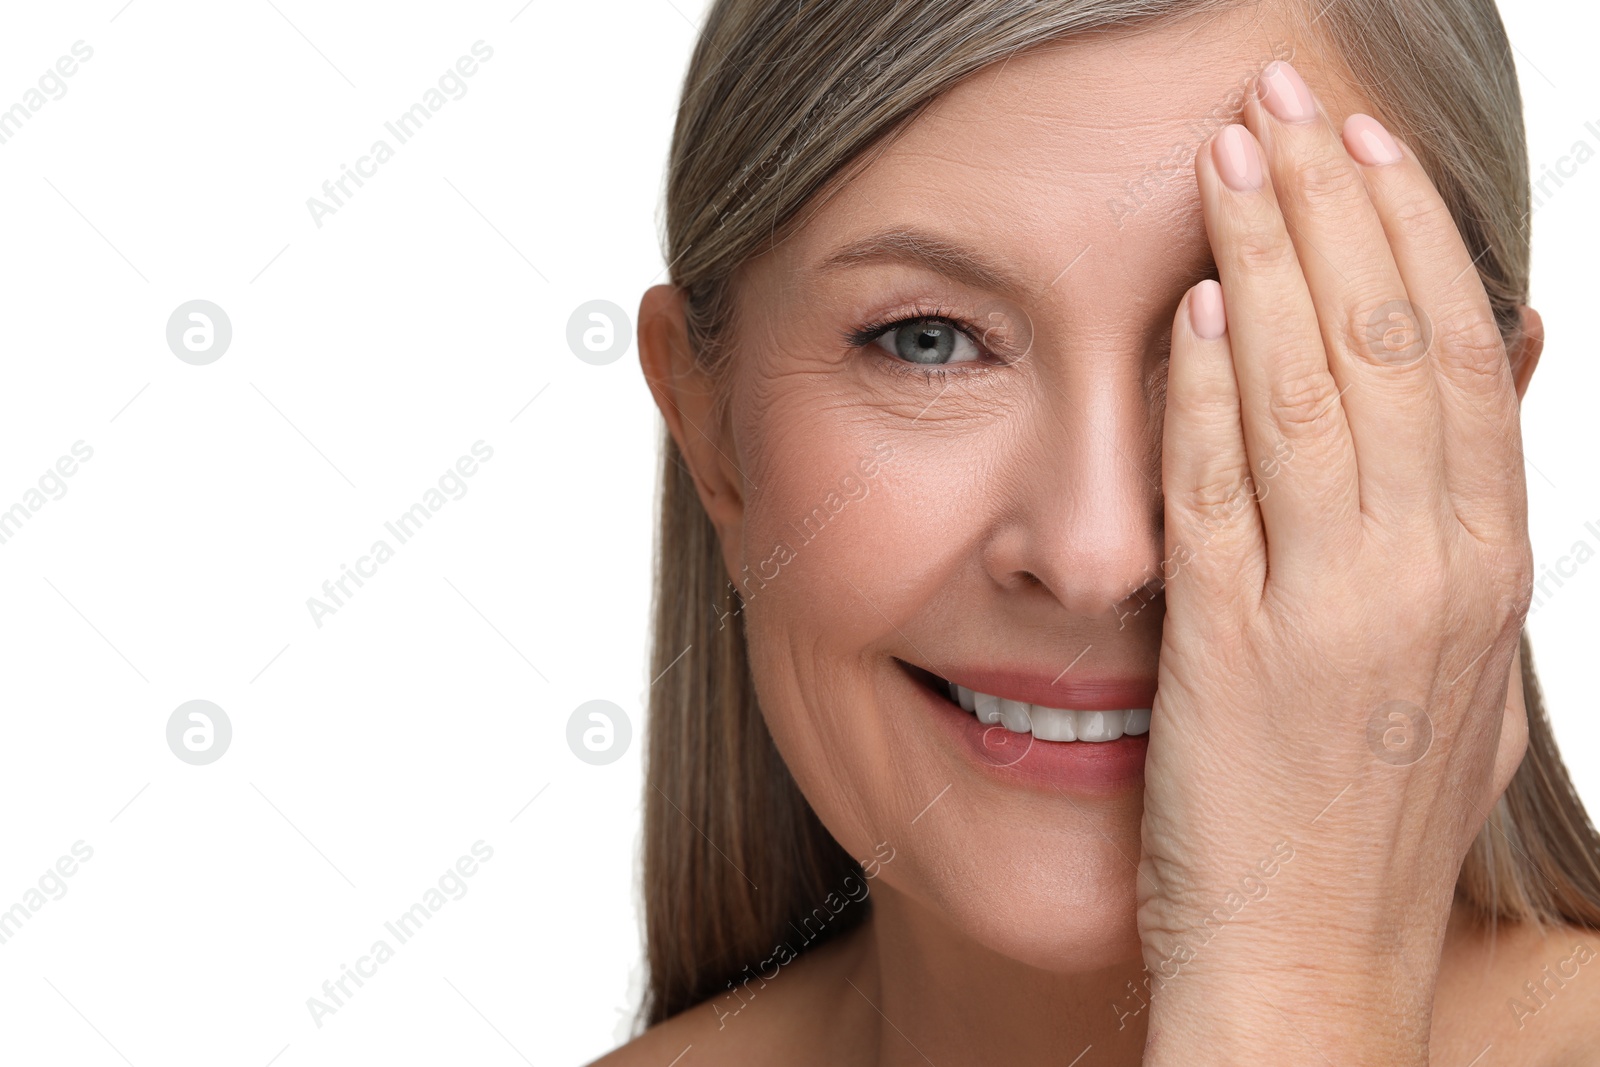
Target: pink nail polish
[(1237, 158), (1369, 142), (1206, 315), (1285, 94)]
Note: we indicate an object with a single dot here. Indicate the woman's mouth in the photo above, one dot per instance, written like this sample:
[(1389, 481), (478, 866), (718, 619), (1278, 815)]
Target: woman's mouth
[(1045, 723), (999, 723)]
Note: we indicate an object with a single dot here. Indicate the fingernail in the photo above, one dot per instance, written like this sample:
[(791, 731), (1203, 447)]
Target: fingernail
[(1206, 315), (1238, 161), (1369, 142), (1285, 93)]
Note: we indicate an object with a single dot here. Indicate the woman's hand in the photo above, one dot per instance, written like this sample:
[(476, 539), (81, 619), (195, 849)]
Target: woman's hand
[(1348, 569)]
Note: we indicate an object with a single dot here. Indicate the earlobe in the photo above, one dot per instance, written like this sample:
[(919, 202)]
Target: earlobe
[(1525, 356), (685, 395)]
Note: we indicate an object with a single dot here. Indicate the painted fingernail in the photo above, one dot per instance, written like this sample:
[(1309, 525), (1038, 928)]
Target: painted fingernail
[(1237, 158), (1206, 315), (1285, 93), (1369, 142)]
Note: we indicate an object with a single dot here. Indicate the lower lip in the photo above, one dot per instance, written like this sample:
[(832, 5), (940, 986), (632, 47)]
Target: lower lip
[(1092, 768)]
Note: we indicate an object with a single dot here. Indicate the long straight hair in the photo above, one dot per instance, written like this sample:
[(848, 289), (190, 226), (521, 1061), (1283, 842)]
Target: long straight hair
[(781, 103)]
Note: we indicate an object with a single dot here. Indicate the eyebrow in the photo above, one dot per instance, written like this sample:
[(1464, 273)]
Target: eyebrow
[(960, 263), (927, 250)]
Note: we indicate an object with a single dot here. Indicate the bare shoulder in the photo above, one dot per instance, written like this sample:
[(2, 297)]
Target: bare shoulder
[(1531, 995), (664, 1044), (799, 1012)]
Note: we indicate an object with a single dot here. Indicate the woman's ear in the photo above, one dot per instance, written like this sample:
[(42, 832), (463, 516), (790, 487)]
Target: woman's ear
[(1525, 356), (685, 395)]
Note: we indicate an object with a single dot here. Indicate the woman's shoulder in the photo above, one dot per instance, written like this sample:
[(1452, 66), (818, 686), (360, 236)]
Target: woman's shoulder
[(663, 1045), (775, 1016), (1529, 993)]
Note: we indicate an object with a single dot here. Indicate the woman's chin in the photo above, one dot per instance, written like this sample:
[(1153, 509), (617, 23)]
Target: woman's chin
[(1061, 937), (1074, 924)]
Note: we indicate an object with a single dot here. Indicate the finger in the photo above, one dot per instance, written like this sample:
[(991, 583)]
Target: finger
[(1386, 386), (1289, 401), (1477, 395), (1215, 546)]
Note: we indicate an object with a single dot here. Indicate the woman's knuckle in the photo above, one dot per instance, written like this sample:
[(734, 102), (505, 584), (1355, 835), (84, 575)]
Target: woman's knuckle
[(1392, 332), (1419, 211), (1216, 495), (1304, 404), (1262, 252), (1325, 180), (1472, 351)]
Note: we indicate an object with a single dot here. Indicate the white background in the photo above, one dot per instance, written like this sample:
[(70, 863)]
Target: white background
[(368, 354)]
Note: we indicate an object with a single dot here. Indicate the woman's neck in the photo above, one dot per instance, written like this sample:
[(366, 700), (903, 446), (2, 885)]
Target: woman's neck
[(932, 994)]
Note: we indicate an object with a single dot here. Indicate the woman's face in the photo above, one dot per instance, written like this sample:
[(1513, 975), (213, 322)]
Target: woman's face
[(983, 500)]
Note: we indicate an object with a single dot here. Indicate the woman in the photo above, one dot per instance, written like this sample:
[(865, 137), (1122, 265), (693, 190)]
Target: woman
[(1094, 546)]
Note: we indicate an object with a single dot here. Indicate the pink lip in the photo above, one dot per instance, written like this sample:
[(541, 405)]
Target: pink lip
[(1081, 768), (1060, 690)]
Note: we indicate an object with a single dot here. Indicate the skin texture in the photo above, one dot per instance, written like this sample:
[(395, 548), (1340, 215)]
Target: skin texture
[(1022, 504)]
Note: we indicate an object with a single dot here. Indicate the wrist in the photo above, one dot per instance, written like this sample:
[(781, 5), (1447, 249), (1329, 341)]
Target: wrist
[(1298, 1001), (1302, 1006)]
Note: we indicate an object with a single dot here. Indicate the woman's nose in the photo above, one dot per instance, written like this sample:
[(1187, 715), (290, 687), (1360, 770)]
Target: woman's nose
[(1082, 505)]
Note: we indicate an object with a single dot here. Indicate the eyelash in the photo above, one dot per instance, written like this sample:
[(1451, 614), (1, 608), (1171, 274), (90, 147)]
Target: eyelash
[(928, 372)]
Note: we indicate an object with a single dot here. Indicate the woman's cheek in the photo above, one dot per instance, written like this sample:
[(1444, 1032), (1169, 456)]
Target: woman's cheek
[(870, 497)]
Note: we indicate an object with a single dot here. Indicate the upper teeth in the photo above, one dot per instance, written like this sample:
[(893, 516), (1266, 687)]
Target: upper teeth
[(1052, 724)]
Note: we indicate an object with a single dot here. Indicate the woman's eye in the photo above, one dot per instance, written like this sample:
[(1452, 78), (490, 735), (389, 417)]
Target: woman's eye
[(928, 341)]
